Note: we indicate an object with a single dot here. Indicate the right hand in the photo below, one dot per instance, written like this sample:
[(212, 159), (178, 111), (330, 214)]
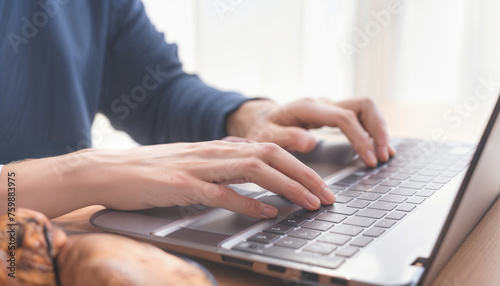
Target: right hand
[(197, 173)]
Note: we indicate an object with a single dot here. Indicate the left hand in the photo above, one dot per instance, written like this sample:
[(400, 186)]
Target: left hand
[(359, 120)]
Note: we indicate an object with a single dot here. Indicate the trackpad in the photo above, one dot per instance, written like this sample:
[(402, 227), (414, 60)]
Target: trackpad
[(223, 222), (229, 223)]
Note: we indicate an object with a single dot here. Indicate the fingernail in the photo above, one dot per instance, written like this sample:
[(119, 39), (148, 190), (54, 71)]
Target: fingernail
[(312, 200), (385, 153), (328, 195), (370, 157), (392, 151), (269, 212)]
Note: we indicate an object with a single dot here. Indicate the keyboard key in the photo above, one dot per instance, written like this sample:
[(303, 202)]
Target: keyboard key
[(249, 246), (395, 215), (413, 185), (390, 183), (383, 206), (437, 167), (334, 238), (335, 187), (308, 214), (400, 177), (279, 228), (347, 251), (291, 242), (370, 182), (342, 184), (347, 230), (343, 199), (361, 241), (350, 193), (380, 190), (318, 225), (374, 232), (405, 207), (369, 197), (448, 174), (305, 233), (380, 176), (393, 199), (340, 209), (409, 170), (422, 179), (360, 204), (442, 180), (403, 192), (427, 172), (415, 200), (425, 193), (335, 218), (361, 188), (293, 220), (359, 221), (434, 186), (371, 213), (321, 248), (310, 258), (264, 237), (385, 223)]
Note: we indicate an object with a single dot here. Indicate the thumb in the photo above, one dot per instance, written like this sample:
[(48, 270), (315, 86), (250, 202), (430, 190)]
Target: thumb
[(290, 138)]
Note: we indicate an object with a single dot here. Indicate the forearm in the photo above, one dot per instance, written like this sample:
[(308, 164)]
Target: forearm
[(53, 186)]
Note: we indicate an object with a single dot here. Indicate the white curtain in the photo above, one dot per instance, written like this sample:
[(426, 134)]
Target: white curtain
[(413, 50), (390, 50)]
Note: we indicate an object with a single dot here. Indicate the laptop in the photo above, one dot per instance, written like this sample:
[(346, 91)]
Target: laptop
[(396, 224)]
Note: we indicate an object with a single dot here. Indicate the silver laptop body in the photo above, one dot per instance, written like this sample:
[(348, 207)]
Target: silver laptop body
[(400, 236)]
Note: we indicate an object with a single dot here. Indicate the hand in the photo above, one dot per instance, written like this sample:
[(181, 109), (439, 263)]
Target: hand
[(359, 120), (196, 173)]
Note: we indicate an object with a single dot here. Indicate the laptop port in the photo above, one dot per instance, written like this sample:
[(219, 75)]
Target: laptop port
[(308, 276), (276, 268), (338, 281), (237, 261)]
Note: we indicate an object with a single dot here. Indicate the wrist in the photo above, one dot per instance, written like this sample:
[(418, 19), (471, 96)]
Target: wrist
[(242, 120)]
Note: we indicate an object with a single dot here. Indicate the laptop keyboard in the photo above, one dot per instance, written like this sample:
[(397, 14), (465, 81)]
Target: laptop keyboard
[(370, 202)]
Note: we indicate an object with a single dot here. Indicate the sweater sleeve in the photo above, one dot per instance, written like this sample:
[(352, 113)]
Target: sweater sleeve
[(145, 91)]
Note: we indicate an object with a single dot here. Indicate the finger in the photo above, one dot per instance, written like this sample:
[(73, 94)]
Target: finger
[(281, 173), (372, 120), (291, 138), (283, 162), (236, 139), (224, 197), (347, 120)]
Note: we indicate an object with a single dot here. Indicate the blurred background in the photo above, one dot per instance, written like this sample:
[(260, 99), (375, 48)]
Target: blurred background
[(409, 52)]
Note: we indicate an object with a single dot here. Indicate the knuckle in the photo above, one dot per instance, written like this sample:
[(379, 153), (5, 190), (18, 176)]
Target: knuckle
[(294, 187), (252, 207), (179, 180), (221, 195), (269, 149), (367, 102), (252, 164), (347, 116)]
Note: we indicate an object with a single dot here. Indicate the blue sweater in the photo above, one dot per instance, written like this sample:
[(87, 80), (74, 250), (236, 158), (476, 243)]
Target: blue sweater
[(62, 61)]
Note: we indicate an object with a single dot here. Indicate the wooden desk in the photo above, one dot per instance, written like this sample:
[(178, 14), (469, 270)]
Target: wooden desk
[(477, 261)]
